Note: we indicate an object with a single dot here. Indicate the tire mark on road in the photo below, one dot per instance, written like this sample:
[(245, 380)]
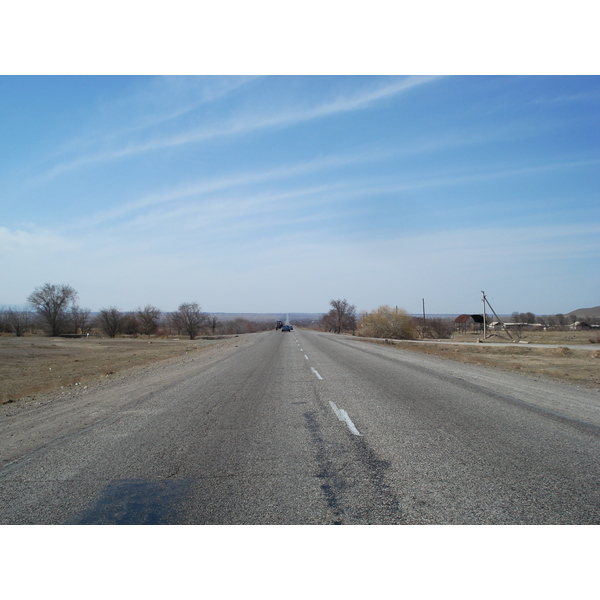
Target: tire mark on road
[(333, 483), (361, 494)]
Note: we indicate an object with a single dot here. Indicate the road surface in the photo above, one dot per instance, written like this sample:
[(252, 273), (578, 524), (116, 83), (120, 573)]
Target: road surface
[(305, 428)]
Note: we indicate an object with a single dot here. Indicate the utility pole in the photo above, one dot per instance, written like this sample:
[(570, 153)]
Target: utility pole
[(424, 326), (484, 323), (486, 301)]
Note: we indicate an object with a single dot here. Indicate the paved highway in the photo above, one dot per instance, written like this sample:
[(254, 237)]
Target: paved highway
[(305, 428)]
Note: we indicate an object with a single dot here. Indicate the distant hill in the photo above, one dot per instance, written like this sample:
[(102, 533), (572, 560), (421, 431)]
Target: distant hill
[(267, 316), (248, 316), (585, 312)]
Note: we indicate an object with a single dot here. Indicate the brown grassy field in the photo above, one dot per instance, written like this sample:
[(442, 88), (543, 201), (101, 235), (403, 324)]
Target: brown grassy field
[(577, 366), (33, 365), (567, 338)]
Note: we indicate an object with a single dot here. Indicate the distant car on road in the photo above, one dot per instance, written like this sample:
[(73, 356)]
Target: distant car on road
[(286, 328)]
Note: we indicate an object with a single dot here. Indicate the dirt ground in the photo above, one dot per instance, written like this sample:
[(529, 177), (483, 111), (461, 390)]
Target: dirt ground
[(33, 365), (567, 338), (561, 363)]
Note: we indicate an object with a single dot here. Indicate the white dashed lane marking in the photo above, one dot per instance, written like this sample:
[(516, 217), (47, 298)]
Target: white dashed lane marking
[(342, 415), (316, 372)]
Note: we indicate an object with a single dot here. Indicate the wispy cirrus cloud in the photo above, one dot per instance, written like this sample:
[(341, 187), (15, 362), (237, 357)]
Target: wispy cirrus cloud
[(206, 188), (32, 242), (452, 178), (247, 122), (152, 104), (568, 98), (228, 198), (424, 145)]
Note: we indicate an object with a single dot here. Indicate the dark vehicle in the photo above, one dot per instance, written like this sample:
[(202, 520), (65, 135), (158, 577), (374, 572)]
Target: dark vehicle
[(286, 328), (279, 325)]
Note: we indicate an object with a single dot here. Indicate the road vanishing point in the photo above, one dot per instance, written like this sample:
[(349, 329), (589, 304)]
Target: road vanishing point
[(304, 427)]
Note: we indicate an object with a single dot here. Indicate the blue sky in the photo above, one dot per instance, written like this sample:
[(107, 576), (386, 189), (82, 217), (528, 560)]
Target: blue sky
[(280, 193)]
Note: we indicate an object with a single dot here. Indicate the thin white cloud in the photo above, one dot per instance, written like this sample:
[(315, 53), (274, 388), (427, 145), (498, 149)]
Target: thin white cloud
[(205, 209), (152, 104), (592, 96), (431, 180), (249, 123), (167, 99), (197, 190), (31, 243)]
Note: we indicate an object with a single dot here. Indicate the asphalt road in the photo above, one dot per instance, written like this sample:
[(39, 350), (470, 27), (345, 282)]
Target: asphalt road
[(305, 428)]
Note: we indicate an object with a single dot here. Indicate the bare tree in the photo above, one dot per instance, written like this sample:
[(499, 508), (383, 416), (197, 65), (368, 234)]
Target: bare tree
[(18, 321), (527, 318), (110, 321), (436, 328), (149, 317), (341, 317), (189, 318), (131, 324), (440, 328), (52, 303), (212, 323), (175, 321), (241, 325), (81, 319)]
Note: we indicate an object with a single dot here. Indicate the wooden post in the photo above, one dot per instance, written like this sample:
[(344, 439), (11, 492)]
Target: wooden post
[(484, 323), (485, 300)]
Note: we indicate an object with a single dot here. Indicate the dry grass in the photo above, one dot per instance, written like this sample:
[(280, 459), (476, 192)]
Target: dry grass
[(33, 365), (567, 338), (577, 366)]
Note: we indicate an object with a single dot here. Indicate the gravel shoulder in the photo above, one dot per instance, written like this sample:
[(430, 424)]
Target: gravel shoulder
[(38, 420)]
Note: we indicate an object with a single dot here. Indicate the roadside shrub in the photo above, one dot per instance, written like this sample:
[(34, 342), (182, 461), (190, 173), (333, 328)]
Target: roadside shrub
[(440, 328), (387, 322), (241, 325), (435, 328)]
